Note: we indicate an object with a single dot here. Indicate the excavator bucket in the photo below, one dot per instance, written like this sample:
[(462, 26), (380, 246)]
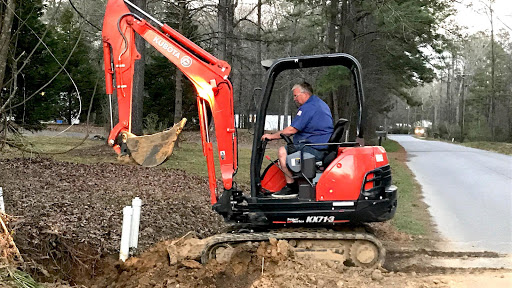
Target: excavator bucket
[(153, 150)]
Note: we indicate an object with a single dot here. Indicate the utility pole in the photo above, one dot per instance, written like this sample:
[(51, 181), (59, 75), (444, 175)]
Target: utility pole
[(493, 87), (461, 108), (408, 116)]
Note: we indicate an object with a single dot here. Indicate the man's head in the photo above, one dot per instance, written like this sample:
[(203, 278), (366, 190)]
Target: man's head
[(301, 93)]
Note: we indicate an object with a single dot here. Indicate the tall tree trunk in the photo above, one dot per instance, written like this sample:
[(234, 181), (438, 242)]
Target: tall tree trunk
[(138, 80), (462, 107), (331, 29), (5, 37), (14, 69), (242, 117), (222, 15), (509, 106), (493, 88), (451, 96), (279, 114), (229, 31), (259, 73), (69, 115), (439, 116), (448, 94), (258, 47), (286, 112), (509, 116), (331, 44), (287, 95), (178, 99), (345, 43), (434, 122)]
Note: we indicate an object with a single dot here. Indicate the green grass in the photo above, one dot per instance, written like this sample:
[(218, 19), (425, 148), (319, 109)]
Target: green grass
[(412, 216), (391, 146), (189, 157), (12, 277), (499, 147), (54, 146), (46, 144)]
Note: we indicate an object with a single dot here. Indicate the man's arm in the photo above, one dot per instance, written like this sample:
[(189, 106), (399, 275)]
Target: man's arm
[(290, 130)]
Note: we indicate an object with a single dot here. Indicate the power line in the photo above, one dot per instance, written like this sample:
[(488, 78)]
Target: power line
[(80, 14), (503, 23)]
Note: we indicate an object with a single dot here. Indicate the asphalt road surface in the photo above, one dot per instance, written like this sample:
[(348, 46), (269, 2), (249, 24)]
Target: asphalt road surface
[(469, 192)]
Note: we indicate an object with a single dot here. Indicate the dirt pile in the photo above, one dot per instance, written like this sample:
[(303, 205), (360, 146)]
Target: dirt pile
[(267, 265), (175, 264)]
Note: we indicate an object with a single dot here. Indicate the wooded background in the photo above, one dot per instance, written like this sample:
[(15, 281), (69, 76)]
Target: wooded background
[(416, 64)]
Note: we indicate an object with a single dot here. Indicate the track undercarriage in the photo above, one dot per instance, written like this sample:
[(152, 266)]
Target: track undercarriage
[(350, 246)]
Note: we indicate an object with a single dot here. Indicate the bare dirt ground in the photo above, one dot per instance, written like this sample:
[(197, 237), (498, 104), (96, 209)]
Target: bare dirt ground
[(68, 219)]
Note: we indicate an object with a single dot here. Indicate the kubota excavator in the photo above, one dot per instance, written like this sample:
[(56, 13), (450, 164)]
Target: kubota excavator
[(351, 186)]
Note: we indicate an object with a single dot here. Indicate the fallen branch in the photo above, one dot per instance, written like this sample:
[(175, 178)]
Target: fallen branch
[(10, 253)]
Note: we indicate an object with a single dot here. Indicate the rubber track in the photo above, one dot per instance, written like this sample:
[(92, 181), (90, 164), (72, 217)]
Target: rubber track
[(233, 238)]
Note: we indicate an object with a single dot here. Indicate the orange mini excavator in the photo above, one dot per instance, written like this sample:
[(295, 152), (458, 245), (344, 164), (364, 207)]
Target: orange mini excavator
[(350, 187)]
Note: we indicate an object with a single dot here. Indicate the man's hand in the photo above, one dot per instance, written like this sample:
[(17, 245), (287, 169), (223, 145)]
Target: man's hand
[(290, 130), (267, 136)]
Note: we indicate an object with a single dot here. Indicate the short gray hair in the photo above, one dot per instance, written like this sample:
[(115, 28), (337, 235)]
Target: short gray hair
[(304, 87)]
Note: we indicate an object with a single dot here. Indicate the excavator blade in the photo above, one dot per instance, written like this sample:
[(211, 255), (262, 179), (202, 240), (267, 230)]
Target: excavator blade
[(153, 150)]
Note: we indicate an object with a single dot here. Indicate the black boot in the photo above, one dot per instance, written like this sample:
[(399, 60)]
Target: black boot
[(288, 191)]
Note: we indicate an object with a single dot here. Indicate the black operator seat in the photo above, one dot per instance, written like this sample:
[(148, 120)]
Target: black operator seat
[(336, 137)]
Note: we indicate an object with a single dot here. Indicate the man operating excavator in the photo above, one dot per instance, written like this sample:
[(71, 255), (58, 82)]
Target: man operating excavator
[(312, 124), (351, 185)]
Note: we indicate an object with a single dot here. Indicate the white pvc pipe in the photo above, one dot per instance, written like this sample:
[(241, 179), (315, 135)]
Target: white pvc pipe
[(125, 234), (2, 205), (134, 234)]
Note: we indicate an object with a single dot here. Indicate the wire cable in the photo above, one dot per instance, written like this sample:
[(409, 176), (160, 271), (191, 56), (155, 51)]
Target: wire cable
[(81, 15), (61, 69)]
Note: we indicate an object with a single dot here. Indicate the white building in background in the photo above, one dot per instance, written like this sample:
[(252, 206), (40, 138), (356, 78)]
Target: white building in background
[(423, 123), (271, 121)]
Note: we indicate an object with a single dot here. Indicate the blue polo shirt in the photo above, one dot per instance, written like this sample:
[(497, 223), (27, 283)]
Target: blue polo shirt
[(314, 122)]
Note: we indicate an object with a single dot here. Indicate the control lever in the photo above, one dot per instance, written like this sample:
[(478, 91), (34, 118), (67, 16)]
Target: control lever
[(286, 138), (289, 143)]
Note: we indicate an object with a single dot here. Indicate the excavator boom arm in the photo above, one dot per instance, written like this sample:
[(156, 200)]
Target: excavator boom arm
[(208, 74)]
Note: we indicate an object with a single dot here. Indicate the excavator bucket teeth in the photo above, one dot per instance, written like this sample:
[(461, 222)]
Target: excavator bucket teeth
[(153, 150)]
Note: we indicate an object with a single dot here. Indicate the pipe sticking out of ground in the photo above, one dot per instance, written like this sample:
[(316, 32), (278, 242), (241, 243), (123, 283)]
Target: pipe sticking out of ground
[(134, 235), (125, 233), (2, 205), (130, 231)]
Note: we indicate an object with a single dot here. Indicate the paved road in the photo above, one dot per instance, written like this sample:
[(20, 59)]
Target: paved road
[(469, 192)]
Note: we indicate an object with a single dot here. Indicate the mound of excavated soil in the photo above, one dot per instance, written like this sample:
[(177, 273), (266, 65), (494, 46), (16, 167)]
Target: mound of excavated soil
[(267, 265), (261, 265), (160, 266)]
